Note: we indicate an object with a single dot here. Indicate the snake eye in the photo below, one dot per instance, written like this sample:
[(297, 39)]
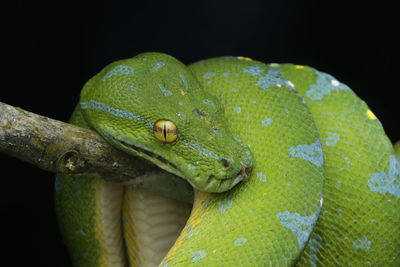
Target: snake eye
[(165, 131)]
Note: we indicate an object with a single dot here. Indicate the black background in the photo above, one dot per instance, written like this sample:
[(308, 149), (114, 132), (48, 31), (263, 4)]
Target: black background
[(51, 49)]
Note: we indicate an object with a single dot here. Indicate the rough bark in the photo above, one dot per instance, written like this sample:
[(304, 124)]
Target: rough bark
[(60, 147)]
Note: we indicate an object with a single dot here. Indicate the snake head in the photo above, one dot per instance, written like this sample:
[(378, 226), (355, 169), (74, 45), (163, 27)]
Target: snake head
[(152, 106)]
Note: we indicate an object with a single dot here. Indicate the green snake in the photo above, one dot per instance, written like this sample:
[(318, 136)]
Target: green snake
[(289, 167)]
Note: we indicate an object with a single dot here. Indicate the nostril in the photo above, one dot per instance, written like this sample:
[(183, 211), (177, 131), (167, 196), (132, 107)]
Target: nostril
[(247, 170), (225, 162)]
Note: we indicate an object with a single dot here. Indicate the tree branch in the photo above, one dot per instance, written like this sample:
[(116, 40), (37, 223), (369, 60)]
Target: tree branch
[(60, 147)]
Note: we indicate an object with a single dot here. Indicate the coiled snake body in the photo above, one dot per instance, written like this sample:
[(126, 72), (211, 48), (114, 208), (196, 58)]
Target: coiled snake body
[(324, 188)]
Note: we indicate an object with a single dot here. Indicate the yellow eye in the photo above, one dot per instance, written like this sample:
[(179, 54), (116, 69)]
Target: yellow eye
[(165, 131)]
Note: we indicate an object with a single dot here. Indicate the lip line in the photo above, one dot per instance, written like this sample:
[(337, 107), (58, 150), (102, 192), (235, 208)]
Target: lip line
[(240, 176), (150, 154)]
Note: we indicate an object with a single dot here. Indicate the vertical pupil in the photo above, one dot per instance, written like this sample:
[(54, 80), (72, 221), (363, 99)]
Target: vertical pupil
[(165, 131)]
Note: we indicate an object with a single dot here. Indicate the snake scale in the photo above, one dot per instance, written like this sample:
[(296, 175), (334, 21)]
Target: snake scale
[(289, 167)]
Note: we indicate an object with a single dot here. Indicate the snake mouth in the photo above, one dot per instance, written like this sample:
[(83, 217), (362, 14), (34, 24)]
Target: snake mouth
[(211, 184), (214, 185), (155, 157)]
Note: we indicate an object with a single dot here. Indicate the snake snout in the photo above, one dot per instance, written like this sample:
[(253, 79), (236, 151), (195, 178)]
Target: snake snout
[(246, 169), (215, 184), (226, 171), (244, 172)]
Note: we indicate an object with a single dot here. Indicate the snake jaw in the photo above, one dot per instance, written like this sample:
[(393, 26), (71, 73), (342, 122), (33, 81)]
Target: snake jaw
[(216, 182), (242, 175), (147, 154), (246, 171), (212, 184), (215, 185)]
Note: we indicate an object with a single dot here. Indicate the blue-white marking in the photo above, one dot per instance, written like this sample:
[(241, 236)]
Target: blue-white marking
[(332, 139), (190, 233), (208, 75), (119, 69), (254, 70), (199, 149), (164, 90), (240, 241), (82, 233), (300, 225), (261, 177), (181, 114), (191, 167), (362, 243), (224, 204), (387, 182), (132, 88), (312, 153), (315, 244), (325, 85), (237, 109), (272, 78), (266, 122), (92, 104), (157, 66), (198, 255), (184, 81), (209, 102)]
